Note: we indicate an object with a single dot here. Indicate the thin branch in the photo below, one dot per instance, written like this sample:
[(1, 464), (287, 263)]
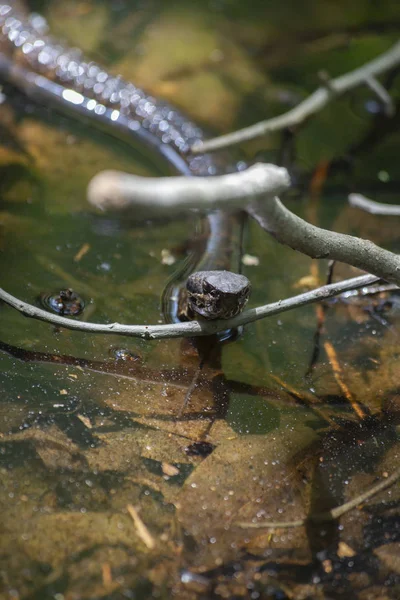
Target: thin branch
[(113, 190), (310, 106), (358, 408), (193, 385), (315, 242), (141, 528), (329, 515), (382, 94), (372, 207), (321, 311), (191, 328)]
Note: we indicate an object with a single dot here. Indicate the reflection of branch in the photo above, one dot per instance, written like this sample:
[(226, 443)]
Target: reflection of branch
[(374, 208), (329, 515), (122, 369), (113, 190), (311, 105), (191, 328)]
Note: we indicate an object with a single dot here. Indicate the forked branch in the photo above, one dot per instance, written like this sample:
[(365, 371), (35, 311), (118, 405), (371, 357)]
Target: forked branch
[(364, 75), (253, 190)]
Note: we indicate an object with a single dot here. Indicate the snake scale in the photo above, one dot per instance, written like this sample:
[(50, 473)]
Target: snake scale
[(54, 74)]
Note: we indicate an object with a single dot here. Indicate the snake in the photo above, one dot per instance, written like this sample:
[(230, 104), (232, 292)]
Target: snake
[(54, 74)]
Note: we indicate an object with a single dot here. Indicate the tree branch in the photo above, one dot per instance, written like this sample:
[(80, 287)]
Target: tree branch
[(311, 105), (383, 96), (374, 208), (315, 242), (113, 190), (191, 328)]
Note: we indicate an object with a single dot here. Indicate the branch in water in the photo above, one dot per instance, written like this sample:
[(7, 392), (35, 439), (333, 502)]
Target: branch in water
[(315, 242), (310, 106), (255, 194), (329, 515), (113, 190), (191, 328), (372, 207)]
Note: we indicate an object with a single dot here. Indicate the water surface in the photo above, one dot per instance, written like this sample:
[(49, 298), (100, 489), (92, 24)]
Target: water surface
[(85, 437)]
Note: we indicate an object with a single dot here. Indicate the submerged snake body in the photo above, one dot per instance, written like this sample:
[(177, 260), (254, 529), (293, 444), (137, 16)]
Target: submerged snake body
[(47, 70), (51, 73)]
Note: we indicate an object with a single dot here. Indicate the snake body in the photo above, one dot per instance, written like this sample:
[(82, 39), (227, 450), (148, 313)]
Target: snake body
[(54, 74)]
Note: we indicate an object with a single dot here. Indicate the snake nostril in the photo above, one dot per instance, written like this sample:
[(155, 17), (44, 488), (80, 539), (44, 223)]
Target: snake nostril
[(63, 302)]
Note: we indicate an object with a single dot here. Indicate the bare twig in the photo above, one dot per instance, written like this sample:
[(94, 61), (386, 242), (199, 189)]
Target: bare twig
[(141, 528), (382, 94), (329, 515), (190, 328), (358, 408), (372, 207), (315, 242), (193, 384), (113, 190), (306, 399), (311, 105), (321, 311)]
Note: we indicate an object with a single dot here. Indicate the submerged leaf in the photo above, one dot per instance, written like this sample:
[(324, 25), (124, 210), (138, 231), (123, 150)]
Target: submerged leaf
[(253, 477)]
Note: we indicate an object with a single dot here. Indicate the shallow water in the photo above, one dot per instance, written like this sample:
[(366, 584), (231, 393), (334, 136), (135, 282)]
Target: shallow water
[(86, 437)]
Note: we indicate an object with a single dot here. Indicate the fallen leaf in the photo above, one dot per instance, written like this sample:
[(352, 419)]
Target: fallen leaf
[(251, 478)]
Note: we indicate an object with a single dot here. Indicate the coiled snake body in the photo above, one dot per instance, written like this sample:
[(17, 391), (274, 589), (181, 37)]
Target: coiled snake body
[(53, 74)]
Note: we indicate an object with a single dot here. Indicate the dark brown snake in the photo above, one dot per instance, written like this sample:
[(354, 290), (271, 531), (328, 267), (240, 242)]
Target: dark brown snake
[(53, 74)]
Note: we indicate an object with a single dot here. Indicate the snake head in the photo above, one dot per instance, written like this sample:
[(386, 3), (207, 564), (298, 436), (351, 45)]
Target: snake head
[(217, 294)]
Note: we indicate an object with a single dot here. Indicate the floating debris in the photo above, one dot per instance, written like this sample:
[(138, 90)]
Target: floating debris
[(250, 261), (167, 258)]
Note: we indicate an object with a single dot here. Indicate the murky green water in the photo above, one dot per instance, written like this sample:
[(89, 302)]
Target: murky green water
[(84, 438)]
